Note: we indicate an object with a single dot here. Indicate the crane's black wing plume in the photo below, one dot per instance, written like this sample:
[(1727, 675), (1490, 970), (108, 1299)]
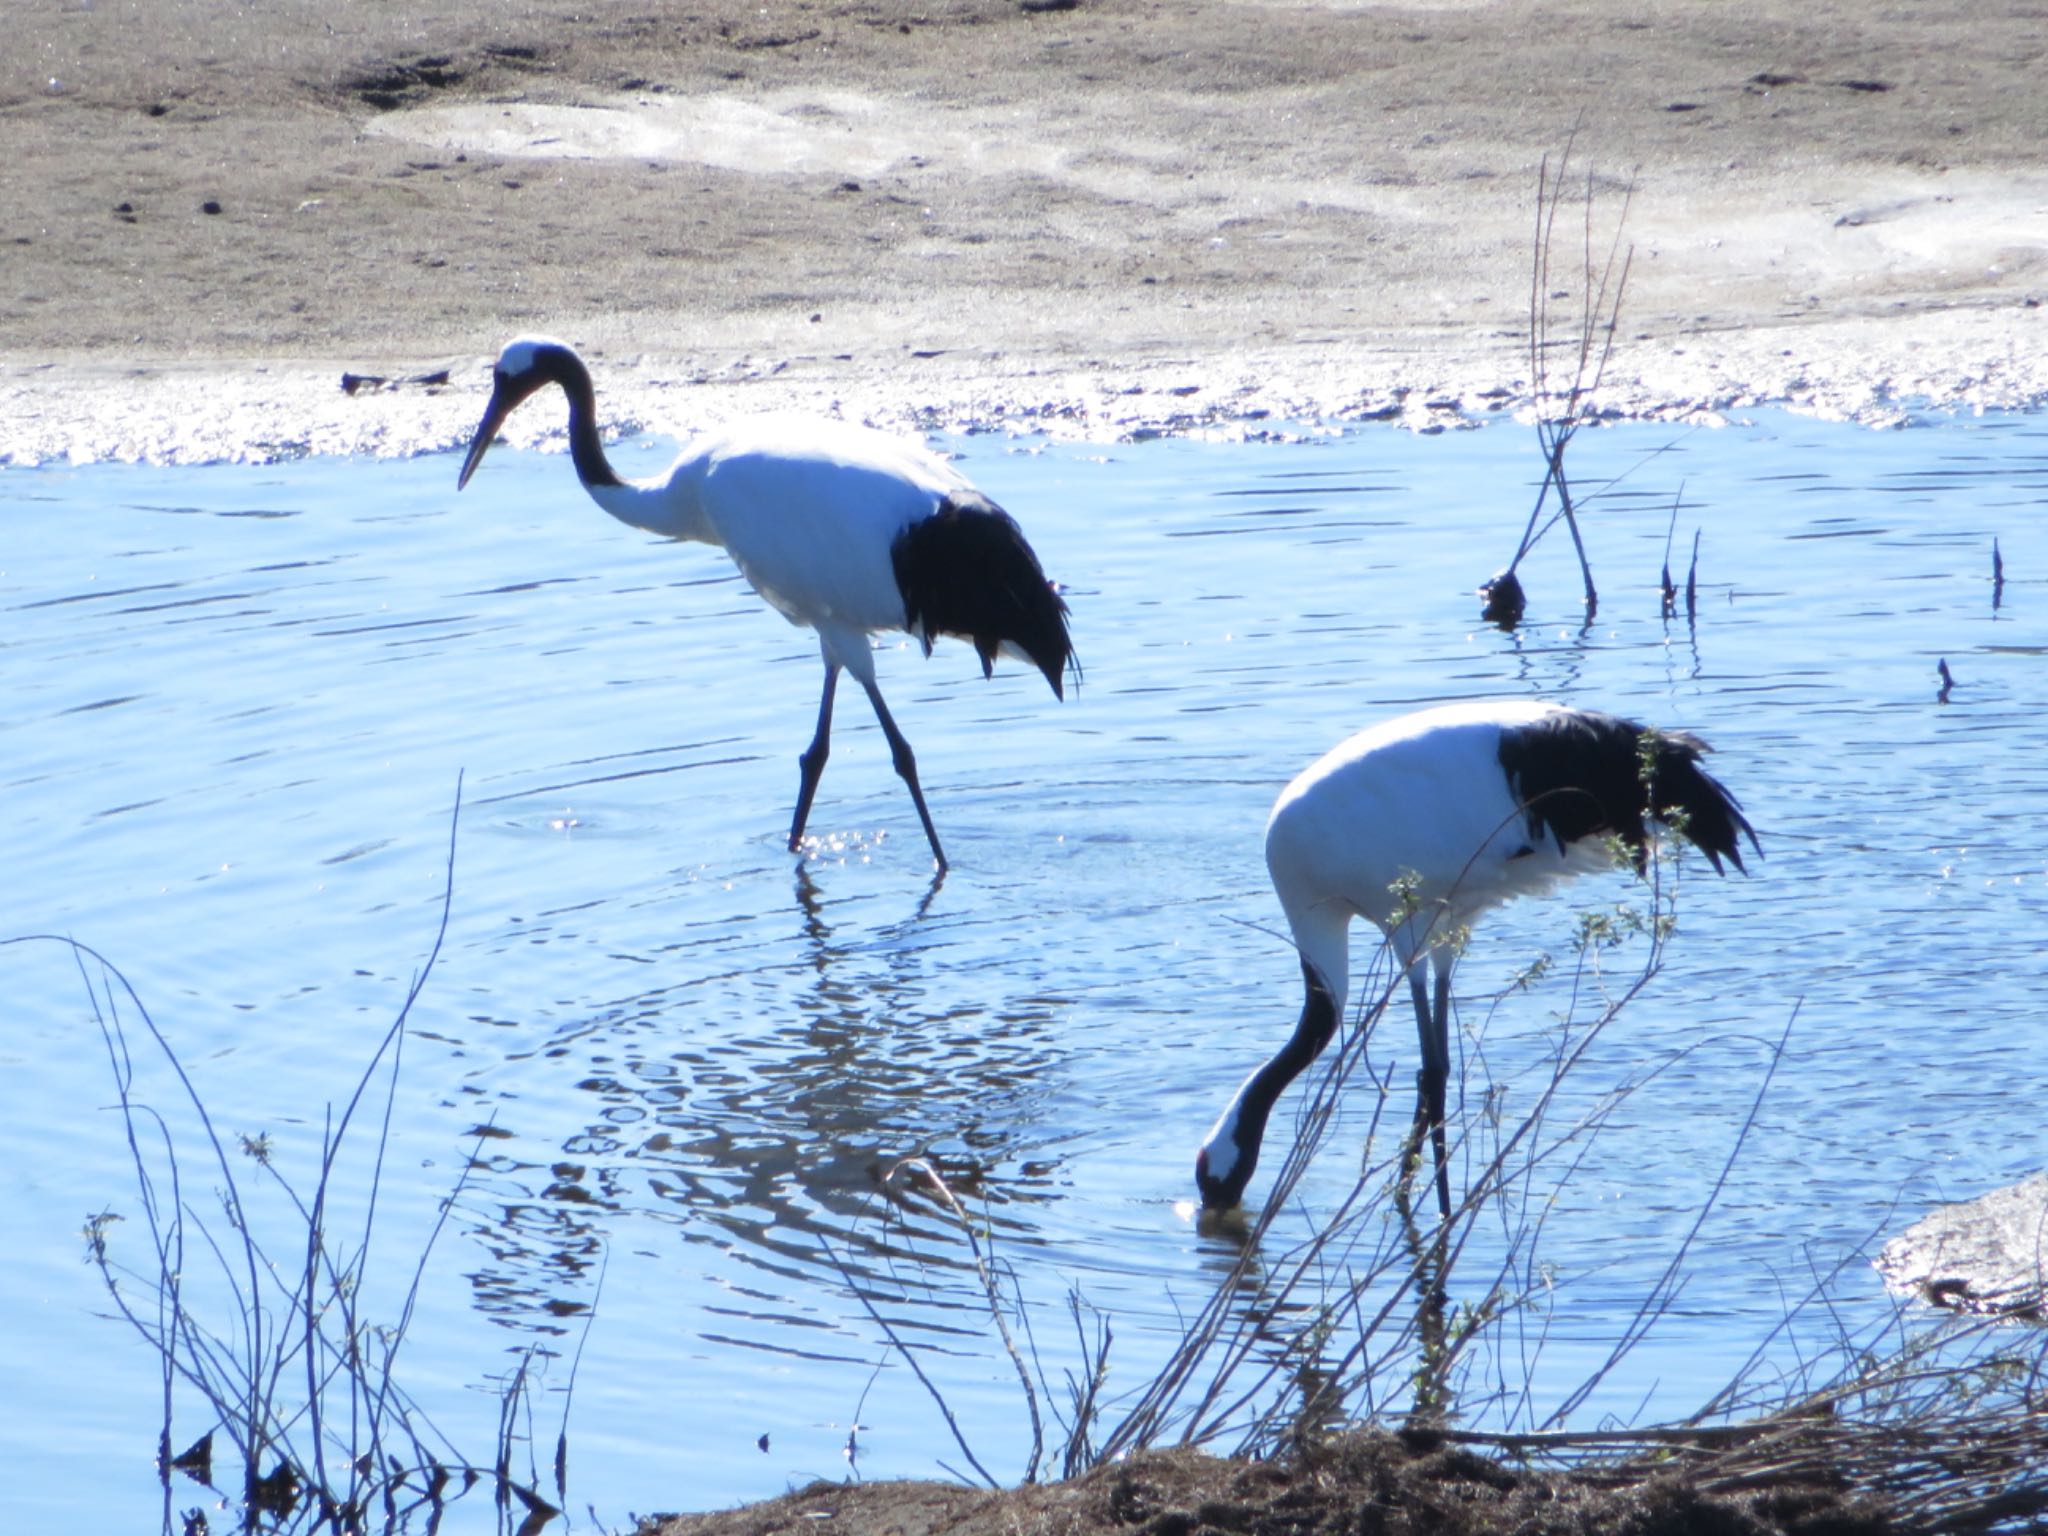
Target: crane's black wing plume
[(1580, 773), (966, 570)]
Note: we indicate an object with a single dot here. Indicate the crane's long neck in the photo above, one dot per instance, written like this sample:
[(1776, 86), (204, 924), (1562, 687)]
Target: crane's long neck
[(1230, 1154), (586, 448), (669, 506), (1311, 1033)]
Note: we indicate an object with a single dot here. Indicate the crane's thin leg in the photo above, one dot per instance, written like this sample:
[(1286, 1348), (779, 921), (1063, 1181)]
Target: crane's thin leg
[(1442, 1030), (813, 760), (1431, 1081), (1411, 1158), (906, 767)]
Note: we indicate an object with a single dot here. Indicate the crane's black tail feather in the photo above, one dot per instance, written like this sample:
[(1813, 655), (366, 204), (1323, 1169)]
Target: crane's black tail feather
[(1580, 773), (966, 570), (1709, 816)]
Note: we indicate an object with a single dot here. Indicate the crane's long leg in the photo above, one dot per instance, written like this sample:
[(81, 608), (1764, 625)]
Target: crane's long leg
[(1412, 1154), (906, 767), (1438, 1133), (1433, 1028), (813, 760)]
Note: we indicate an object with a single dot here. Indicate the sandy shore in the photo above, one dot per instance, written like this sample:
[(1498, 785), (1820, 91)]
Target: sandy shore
[(1104, 217)]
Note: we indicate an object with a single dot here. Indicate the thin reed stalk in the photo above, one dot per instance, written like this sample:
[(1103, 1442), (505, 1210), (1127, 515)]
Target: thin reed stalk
[(264, 1312)]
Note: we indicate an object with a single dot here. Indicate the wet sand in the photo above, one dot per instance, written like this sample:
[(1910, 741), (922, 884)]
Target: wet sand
[(1103, 217)]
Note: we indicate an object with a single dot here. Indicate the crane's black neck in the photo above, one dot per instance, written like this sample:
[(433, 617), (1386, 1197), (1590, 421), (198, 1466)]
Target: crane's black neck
[(1318, 1022), (1246, 1120), (559, 365)]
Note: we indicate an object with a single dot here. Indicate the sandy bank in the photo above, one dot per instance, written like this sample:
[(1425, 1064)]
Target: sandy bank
[(1109, 217)]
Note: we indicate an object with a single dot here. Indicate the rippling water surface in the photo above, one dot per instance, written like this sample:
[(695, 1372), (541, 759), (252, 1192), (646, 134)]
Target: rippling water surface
[(235, 704)]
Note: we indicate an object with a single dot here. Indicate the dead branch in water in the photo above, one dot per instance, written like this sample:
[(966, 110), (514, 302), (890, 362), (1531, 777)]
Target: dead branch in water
[(1564, 403)]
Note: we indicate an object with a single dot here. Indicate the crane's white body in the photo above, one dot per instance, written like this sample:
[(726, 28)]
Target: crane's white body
[(1411, 825), (808, 510), (1420, 826)]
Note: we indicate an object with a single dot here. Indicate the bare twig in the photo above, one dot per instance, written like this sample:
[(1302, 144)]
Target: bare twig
[(896, 1342), (939, 1187), (331, 1447)]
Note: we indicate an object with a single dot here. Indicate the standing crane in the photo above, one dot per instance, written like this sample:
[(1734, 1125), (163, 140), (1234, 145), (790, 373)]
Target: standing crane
[(841, 529)]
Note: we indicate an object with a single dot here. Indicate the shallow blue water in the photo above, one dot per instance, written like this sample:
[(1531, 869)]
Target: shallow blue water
[(235, 703)]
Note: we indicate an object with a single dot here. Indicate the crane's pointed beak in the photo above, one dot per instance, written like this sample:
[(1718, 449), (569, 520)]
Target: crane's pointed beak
[(502, 401)]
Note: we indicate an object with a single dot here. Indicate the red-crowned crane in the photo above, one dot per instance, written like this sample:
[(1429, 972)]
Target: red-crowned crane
[(1424, 823), (839, 528)]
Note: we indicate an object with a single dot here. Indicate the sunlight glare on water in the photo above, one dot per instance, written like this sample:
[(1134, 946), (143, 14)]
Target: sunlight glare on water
[(237, 703)]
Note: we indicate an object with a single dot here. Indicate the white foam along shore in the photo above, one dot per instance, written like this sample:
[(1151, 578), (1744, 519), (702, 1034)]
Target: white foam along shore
[(1878, 371)]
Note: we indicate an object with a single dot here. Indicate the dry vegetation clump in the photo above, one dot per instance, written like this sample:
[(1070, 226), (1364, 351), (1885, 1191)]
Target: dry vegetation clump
[(1906, 1446), (1368, 1482)]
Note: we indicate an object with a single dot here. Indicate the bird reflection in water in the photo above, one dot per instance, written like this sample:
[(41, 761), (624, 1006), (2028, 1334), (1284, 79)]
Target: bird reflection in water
[(757, 1105)]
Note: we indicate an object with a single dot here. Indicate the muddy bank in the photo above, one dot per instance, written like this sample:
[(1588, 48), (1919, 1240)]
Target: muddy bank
[(1109, 217), (1416, 1484)]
